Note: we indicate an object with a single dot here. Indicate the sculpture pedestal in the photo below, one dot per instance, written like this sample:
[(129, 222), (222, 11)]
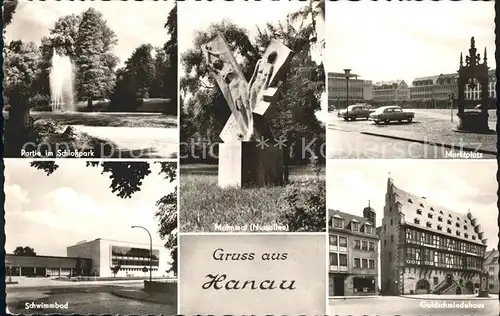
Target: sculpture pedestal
[(473, 122), (245, 164)]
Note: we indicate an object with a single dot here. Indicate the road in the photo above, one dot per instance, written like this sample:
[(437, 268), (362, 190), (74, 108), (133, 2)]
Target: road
[(392, 306), (82, 300), (355, 145)]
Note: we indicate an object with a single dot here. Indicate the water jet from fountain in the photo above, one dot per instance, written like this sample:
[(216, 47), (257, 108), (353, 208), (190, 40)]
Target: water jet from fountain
[(62, 84)]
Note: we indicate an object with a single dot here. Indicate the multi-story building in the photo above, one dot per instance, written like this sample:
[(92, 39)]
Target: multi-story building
[(391, 91), (476, 94), (99, 258), (426, 248), (353, 247), (359, 90), (434, 88), (131, 258), (492, 267)]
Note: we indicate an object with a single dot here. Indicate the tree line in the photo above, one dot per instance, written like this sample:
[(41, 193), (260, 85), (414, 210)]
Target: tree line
[(150, 72)]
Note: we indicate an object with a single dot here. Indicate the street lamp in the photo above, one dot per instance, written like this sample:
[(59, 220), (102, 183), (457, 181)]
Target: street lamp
[(451, 96), (150, 253), (347, 75)]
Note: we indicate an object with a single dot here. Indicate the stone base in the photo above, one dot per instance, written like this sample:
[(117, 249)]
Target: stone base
[(473, 122), (483, 294), (245, 164)]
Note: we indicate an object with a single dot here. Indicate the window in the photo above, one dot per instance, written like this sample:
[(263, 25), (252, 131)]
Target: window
[(390, 256), (449, 230), (355, 226), (338, 222), (449, 222), (364, 245), (391, 221), (421, 205), (441, 212), (435, 280), (343, 259), (458, 233), (333, 240), (439, 227), (429, 224), (432, 209), (392, 238), (334, 259), (417, 221), (364, 263), (440, 219), (371, 264), (473, 237), (419, 211), (410, 201), (457, 225), (449, 215), (429, 215), (385, 242), (368, 229), (342, 241), (371, 246), (466, 235), (357, 244), (465, 226), (357, 263), (458, 218)]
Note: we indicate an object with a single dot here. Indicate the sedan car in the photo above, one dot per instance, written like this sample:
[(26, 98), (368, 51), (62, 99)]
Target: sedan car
[(354, 112), (387, 114)]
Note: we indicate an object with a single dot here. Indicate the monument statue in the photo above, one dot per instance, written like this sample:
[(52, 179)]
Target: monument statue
[(241, 161), (474, 73)]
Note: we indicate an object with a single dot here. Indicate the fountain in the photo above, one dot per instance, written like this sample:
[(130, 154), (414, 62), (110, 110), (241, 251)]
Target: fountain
[(61, 83)]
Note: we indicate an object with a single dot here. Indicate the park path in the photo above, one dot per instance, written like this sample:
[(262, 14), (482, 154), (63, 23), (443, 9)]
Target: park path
[(164, 141)]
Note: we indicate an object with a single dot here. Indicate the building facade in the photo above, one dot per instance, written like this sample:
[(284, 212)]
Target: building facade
[(127, 259), (434, 88), (353, 254), (46, 266), (428, 249), (359, 90), (492, 267), (391, 91)]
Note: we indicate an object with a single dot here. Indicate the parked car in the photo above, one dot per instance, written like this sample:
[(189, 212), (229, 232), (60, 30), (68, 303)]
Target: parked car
[(387, 114), (355, 111)]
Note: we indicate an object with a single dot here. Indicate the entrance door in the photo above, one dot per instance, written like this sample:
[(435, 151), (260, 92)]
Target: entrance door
[(449, 279), (458, 291), (338, 286)]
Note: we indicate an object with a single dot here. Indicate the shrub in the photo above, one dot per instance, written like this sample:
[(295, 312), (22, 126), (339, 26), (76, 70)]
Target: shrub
[(305, 209), (40, 102)]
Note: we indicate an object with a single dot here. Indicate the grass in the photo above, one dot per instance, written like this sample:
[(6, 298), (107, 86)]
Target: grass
[(108, 119), (203, 203)]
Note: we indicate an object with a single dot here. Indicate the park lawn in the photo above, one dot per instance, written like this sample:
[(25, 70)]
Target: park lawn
[(203, 204), (108, 119)]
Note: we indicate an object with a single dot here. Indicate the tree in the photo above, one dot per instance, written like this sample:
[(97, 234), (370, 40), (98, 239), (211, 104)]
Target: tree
[(8, 9), (21, 69), (170, 72), (95, 62), (126, 179), (158, 87), (135, 80), (24, 251)]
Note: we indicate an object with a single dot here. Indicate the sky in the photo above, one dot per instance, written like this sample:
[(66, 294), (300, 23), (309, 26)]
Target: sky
[(134, 23), (383, 41), (49, 213), (458, 185)]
